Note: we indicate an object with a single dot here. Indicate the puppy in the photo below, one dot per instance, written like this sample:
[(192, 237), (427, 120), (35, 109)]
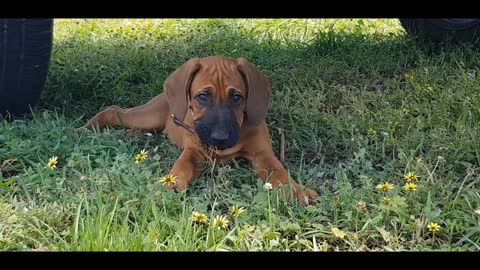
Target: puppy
[(214, 108)]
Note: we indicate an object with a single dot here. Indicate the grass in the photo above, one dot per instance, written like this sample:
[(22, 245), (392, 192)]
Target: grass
[(361, 104)]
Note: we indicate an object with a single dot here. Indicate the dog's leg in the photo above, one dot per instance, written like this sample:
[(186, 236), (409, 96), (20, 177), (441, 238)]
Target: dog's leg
[(270, 169), (188, 167), (149, 116), (258, 150)]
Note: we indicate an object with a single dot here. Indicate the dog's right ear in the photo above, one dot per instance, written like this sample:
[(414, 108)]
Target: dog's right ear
[(177, 87)]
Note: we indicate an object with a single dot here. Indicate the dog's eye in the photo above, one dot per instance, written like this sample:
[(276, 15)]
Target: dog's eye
[(237, 99), (202, 98)]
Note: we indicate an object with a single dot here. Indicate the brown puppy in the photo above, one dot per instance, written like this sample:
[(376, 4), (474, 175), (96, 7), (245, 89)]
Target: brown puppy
[(214, 108)]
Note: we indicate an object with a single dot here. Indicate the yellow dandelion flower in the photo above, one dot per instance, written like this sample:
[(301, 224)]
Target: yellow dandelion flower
[(168, 180), (410, 187), (141, 156), (199, 217), (52, 162), (220, 222), (385, 186), (249, 228), (411, 177), (325, 182), (433, 227), (237, 211), (338, 233)]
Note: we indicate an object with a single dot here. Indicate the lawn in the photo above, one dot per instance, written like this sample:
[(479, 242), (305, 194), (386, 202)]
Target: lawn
[(362, 106)]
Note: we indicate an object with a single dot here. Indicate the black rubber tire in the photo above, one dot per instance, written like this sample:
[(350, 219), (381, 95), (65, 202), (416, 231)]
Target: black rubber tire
[(25, 51), (439, 30)]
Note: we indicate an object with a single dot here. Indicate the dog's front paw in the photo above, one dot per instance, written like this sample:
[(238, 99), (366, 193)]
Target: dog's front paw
[(180, 186), (307, 196), (177, 185), (312, 195)]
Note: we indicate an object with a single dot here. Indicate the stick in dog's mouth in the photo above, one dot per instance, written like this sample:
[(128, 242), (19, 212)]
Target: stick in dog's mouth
[(180, 123)]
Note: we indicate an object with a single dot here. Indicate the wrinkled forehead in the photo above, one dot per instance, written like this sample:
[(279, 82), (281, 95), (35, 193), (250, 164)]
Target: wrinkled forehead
[(220, 76)]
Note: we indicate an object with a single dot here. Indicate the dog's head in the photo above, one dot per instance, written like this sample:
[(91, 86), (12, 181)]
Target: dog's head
[(223, 94)]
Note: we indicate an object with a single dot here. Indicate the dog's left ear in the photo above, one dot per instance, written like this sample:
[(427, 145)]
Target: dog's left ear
[(258, 92), (177, 87)]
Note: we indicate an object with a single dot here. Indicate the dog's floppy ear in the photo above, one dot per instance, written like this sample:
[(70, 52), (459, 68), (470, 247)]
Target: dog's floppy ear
[(177, 87), (258, 92)]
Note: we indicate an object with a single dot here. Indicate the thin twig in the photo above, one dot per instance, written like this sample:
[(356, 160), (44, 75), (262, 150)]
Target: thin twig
[(180, 123), (281, 132)]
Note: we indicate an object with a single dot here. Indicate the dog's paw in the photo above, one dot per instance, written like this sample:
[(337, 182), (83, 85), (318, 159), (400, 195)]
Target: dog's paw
[(307, 197), (312, 195), (180, 186)]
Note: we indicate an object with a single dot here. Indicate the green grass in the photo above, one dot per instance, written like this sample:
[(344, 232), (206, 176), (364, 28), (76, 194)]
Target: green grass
[(360, 102)]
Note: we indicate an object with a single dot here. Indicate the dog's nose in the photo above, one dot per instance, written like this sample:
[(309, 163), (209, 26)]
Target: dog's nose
[(219, 137)]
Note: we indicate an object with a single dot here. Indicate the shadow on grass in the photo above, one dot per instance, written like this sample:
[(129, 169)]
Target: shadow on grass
[(128, 70), (87, 75)]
